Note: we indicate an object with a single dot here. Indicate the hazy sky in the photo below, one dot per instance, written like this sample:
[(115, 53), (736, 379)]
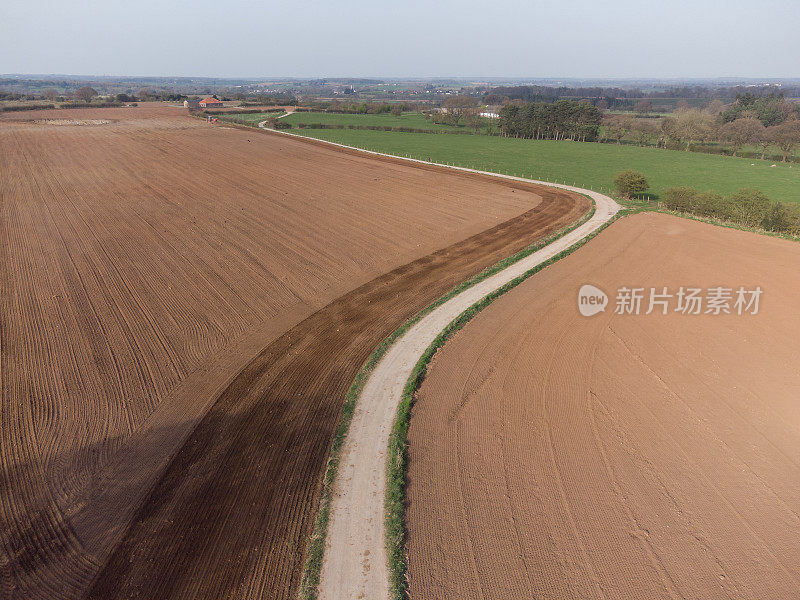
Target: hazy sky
[(505, 38)]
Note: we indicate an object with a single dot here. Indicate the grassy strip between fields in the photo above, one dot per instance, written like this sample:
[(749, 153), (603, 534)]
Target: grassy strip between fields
[(309, 587)]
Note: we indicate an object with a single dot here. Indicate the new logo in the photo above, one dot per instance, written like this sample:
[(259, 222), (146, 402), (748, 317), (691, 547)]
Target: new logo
[(591, 300)]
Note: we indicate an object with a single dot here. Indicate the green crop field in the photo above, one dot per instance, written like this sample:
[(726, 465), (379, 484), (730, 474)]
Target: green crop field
[(413, 120), (587, 165), (249, 118)]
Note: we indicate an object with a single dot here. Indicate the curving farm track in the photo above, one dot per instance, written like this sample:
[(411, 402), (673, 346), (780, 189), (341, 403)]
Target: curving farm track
[(355, 563), (182, 310)]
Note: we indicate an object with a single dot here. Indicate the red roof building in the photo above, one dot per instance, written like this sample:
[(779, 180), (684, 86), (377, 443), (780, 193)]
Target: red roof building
[(210, 103)]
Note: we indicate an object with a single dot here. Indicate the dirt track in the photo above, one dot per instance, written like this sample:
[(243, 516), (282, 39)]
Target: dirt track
[(145, 263), (355, 563), (619, 457)]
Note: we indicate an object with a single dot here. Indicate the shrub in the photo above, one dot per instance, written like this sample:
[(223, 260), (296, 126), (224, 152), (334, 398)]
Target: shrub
[(709, 204), (751, 206), (781, 218), (282, 125), (680, 199), (630, 183), (21, 107), (91, 105), (725, 210)]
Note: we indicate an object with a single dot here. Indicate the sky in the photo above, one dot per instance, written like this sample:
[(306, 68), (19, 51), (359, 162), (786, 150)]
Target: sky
[(378, 38)]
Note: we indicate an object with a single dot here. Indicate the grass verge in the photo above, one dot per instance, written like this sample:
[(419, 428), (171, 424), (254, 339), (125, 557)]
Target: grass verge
[(309, 586)]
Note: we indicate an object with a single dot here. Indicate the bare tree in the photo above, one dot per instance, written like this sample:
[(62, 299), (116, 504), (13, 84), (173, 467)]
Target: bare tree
[(456, 106), (643, 130), (669, 131), (50, 94), (643, 107), (764, 142), (715, 107), (741, 132), (617, 126), (692, 124), (786, 136), (85, 94), (473, 119)]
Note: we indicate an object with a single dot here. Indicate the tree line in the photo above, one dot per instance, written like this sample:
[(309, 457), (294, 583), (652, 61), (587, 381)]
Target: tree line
[(762, 121), (530, 93), (560, 120)]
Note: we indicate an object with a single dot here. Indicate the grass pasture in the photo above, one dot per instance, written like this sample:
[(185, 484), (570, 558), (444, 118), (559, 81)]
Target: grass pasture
[(584, 164), (252, 119), (414, 120)]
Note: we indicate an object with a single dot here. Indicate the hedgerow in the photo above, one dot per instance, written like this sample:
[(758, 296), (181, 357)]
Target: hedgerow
[(747, 208)]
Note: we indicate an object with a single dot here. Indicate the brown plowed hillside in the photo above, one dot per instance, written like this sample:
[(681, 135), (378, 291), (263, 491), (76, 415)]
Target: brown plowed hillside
[(618, 456), (145, 262)]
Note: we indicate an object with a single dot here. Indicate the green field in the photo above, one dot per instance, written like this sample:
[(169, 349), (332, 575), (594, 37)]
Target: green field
[(587, 165), (413, 120), (249, 118)]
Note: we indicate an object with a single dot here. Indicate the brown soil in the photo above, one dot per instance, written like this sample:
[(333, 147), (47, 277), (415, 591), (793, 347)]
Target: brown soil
[(158, 266), (618, 457)]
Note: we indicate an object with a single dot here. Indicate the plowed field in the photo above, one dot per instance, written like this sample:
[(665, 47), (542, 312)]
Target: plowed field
[(616, 456), (155, 267)]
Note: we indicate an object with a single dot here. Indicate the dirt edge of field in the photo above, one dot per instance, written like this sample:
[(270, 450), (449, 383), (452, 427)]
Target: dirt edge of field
[(364, 557)]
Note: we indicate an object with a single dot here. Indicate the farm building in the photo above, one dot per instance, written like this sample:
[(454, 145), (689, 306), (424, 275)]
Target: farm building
[(210, 103), (491, 111), (191, 104)]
